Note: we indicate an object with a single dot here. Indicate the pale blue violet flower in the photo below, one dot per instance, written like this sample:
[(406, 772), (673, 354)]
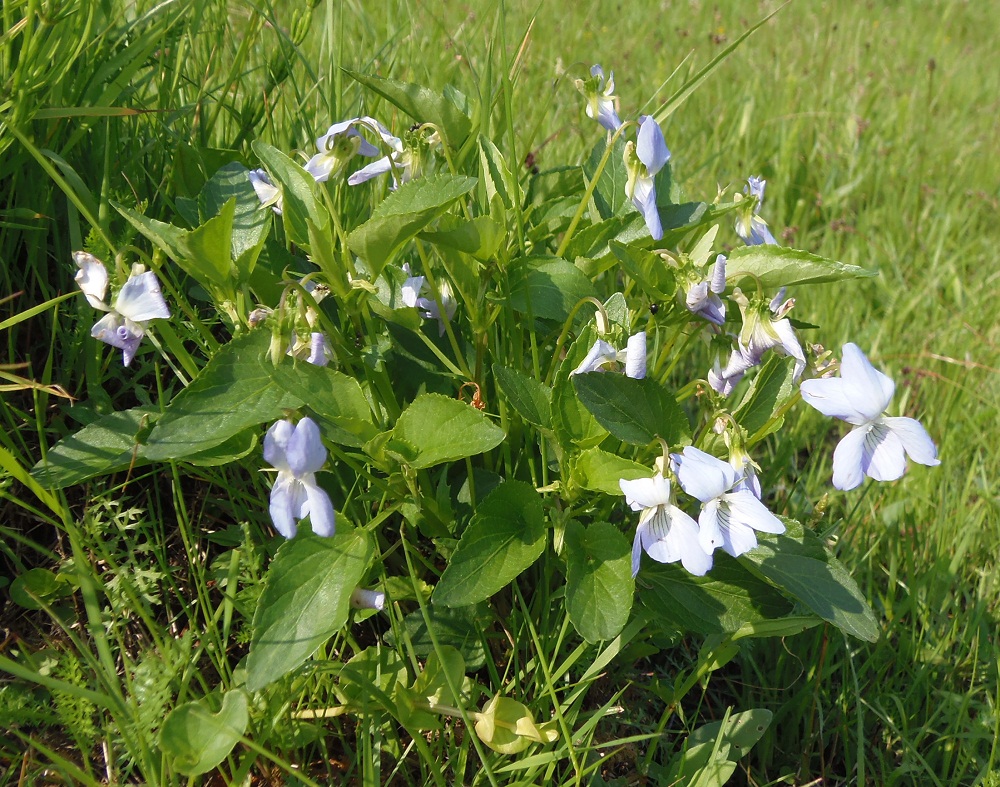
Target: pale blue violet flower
[(703, 298), (405, 161), (749, 225), (729, 515), (362, 598), (600, 98), (297, 452), (602, 354), (339, 145), (878, 445), (664, 531), (765, 326), (138, 301), (268, 194), (315, 351), (643, 159), (428, 307)]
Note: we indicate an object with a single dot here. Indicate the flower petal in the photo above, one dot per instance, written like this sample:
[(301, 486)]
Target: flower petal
[(646, 492), (140, 299), (650, 146), (866, 387), (373, 170), (746, 509), (305, 451), (367, 599), (276, 444), (319, 353), (709, 527), (600, 354), (644, 200), (635, 356), (283, 504), (884, 458), (828, 395), (115, 330), (321, 514), (847, 459), (737, 539), (916, 442), (702, 475), (92, 278), (718, 277)]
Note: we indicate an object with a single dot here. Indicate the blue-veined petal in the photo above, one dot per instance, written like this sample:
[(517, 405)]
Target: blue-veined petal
[(884, 458), (746, 509), (916, 442), (709, 526), (865, 387), (140, 299)]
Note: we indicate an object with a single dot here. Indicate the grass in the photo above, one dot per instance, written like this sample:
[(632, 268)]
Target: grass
[(875, 129)]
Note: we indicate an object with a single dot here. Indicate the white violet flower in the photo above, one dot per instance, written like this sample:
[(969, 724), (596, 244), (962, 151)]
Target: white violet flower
[(268, 194), (664, 531), (643, 159), (603, 354), (339, 145), (138, 301), (600, 98), (297, 452), (729, 513), (703, 298), (878, 445), (751, 228)]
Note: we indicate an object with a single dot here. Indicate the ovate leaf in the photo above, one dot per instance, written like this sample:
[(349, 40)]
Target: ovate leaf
[(306, 600), (195, 740), (779, 266), (600, 471), (635, 411), (548, 288), (403, 214), (300, 195), (530, 398), (233, 392), (436, 429), (599, 584), (506, 535), (797, 563)]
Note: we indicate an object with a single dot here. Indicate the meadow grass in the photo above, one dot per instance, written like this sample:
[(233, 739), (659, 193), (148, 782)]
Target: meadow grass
[(875, 127)]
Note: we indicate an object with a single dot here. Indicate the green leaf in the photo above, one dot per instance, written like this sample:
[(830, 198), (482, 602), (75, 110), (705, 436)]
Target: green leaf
[(779, 266), (530, 398), (370, 677), (421, 104), (301, 202), (232, 393), (403, 214), (210, 248), (547, 287), (458, 627), (334, 397), (195, 740), (635, 411), (39, 586), (599, 584), (250, 221), (306, 600), (723, 601), (169, 239), (770, 389), (648, 269), (610, 195), (103, 447), (505, 536), (441, 429), (798, 564), (479, 237), (496, 175), (711, 752), (600, 471)]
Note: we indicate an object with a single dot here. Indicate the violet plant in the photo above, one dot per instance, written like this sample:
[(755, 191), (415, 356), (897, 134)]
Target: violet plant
[(379, 457)]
